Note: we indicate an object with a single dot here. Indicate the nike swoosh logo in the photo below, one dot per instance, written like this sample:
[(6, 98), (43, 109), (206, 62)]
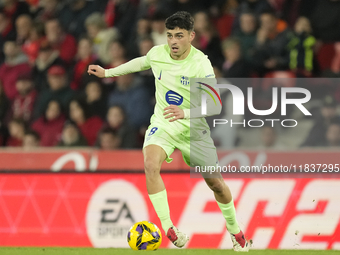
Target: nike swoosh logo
[(160, 76)]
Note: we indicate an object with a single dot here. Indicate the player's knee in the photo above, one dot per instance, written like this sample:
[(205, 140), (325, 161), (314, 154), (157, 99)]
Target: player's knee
[(216, 185), (151, 167)]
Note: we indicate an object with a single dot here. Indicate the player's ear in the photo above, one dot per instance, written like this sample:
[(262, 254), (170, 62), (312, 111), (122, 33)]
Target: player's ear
[(192, 35)]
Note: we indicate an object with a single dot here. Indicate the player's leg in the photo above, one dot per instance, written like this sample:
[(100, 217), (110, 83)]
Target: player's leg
[(154, 156), (203, 153), (157, 148), (226, 204)]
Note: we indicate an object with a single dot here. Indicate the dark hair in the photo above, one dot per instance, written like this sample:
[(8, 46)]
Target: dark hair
[(269, 12), (108, 130), (83, 105), (39, 28), (71, 123), (54, 18), (33, 133), (121, 109), (58, 103), (180, 19), (85, 37)]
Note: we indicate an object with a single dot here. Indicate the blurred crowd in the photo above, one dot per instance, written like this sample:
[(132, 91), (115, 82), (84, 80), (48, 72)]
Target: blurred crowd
[(48, 99)]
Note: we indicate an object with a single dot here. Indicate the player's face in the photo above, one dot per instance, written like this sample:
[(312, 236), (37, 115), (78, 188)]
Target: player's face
[(179, 41)]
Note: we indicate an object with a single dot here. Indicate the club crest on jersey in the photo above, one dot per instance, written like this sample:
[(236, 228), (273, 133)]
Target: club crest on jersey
[(173, 98), (185, 80)]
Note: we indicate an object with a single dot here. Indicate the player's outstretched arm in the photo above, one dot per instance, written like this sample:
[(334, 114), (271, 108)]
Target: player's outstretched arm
[(96, 70), (134, 65)]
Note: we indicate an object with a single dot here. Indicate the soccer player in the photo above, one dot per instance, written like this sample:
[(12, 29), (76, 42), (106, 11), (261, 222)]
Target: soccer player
[(172, 65)]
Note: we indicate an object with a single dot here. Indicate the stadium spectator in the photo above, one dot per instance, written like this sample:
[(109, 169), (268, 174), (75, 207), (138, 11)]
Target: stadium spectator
[(71, 136), (23, 26), (58, 90), (15, 8), (16, 128), (158, 31), (121, 15), (207, 39), (116, 120), (100, 35), (145, 44), (148, 80), (15, 63), (23, 103), (301, 46), (84, 57), (247, 34), (31, 140), (32, 44), (117, 56), (47, 57), (116, 53), (88, 125), (50, 125), (72, 17), (292, 10), (234, 65), (64, 43), (224, 22), (48, 9), (142, 30), (7, 32), (108, 139), (96, 99), (271, 51), (317, 134), (134, 99), (255, 6), (333, 133)]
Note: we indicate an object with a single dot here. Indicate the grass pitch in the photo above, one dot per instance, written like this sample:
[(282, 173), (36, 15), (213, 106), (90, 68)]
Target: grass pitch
[(93, 251)]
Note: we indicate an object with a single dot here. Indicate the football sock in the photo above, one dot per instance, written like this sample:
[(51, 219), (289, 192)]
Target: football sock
[(160, 203), (229, 213)]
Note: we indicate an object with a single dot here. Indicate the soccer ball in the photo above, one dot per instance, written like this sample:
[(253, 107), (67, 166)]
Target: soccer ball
[(144, 235)]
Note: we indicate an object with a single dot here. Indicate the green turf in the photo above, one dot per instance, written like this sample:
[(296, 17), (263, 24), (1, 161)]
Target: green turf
[(92, 251)]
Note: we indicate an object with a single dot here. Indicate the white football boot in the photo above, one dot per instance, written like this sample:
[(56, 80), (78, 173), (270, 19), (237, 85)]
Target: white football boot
[(178, 238), (239, 242)]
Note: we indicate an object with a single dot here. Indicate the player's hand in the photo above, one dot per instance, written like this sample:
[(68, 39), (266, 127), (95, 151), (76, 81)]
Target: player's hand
[(96, 70), (173, 112)]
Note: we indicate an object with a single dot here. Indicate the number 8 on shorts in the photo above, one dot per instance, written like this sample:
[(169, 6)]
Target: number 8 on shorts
[(152, 131)]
